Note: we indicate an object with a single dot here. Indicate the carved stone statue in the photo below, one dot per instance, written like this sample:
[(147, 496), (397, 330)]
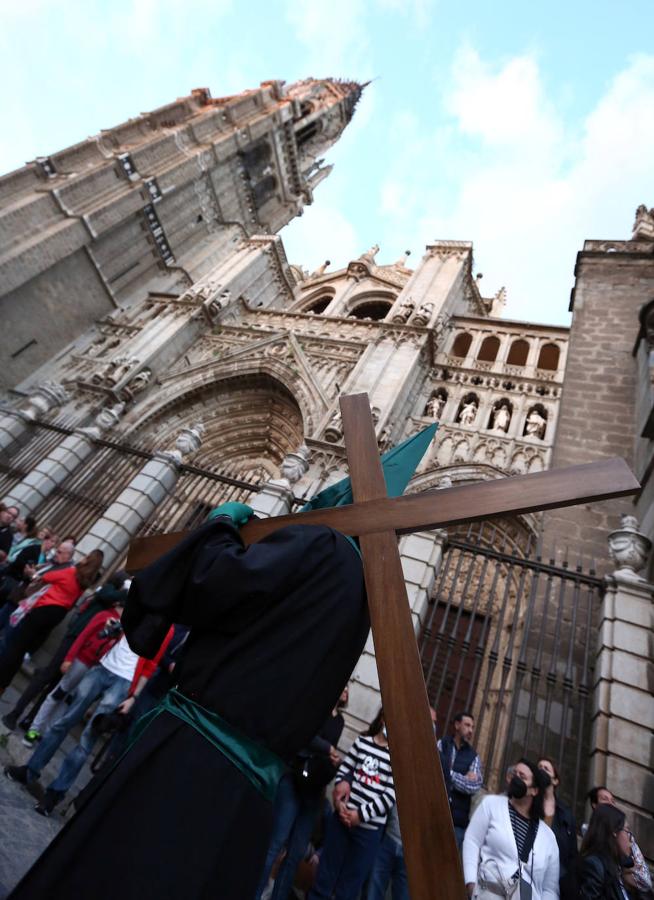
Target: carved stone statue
[(424, 313), (138, 383), (502, 417), (403, 311), (468, 413), (435, 406), (535, 425), (401, 262), (294, 465)]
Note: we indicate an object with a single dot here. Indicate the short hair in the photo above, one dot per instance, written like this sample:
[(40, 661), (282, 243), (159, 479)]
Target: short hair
[(591, 796), (464, 715)]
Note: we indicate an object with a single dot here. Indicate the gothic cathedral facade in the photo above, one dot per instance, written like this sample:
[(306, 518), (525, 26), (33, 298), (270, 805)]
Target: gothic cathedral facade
[(161, 355)]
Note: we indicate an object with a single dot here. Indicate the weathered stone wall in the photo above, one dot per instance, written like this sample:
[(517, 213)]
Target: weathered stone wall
[(596, 415), (41, 317)]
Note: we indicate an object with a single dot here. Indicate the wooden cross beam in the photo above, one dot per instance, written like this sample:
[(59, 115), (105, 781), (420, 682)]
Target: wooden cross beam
[(430, 849)]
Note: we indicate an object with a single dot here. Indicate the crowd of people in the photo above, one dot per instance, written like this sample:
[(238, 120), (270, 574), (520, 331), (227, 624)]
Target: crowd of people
[(92, 666), (523, 843)]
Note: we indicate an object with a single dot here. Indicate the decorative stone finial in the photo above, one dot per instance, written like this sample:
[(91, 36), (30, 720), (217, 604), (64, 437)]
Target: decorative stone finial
[(46, 396), (321, 269), (401, 262), (294, 465), (369, 255), (643, 229), (105, 419), (109, 416), (189, 439), (628, 548)]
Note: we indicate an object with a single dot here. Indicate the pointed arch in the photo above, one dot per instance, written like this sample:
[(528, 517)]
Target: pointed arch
[(518, 353), (461, 345), (489, 349), (548, 358)]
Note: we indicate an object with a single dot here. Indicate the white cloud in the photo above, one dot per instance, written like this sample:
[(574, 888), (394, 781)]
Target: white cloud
[(510, 174), (334, 35), (322, 232)]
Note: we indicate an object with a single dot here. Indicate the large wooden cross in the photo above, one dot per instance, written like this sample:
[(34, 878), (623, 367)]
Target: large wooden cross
[(430, 851)]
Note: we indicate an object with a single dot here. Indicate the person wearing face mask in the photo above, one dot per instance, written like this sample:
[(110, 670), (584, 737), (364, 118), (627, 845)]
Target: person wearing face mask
[(604, 853), (561, 820), (508, 851), (364, 795)]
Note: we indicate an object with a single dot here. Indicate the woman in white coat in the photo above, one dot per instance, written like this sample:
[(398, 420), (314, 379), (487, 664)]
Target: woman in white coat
[(507, 842)]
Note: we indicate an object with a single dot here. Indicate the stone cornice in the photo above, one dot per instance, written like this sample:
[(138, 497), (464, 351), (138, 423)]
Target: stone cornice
[(507, 324)]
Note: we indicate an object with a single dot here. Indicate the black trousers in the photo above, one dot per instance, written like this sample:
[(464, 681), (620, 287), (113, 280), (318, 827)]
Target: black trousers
[(27, 637), (42, 682)]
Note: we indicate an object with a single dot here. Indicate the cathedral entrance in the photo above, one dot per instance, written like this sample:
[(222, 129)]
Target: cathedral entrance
[(250, 423), (509, 636)]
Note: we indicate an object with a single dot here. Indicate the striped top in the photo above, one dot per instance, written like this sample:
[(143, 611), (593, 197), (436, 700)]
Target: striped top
[(367, 767), (520, 827)]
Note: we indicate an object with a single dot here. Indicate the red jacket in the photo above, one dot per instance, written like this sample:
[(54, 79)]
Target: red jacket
[(86, 647), (63, 588), (89, 647)]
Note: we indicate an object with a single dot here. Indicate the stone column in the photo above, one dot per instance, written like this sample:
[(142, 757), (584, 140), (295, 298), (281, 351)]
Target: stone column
[(15, 422), (274, 498), (135, 504), (623, 708), (421, 556), (60, 463)]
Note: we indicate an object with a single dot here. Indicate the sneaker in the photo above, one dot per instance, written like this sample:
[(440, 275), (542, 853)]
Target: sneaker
[(47, 805), (32, 737), (9, 721), (16, 773)]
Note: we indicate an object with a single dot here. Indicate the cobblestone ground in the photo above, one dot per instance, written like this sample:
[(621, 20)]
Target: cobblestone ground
[(24, 834)]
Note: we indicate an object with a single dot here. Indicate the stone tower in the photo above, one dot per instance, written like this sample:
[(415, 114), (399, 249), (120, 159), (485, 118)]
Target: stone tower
[(153, 205)]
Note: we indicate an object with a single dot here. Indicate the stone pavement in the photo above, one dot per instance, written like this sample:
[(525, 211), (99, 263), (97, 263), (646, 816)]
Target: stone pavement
[(24, 834)]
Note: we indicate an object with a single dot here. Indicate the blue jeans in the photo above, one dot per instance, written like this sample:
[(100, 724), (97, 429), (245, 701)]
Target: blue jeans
[(294, 814), (98, 682), (388, 868), (459, 834), (346, 860)]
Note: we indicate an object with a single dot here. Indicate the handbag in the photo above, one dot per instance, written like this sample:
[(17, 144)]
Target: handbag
[(25, 606), (508, 888), (313, 772)]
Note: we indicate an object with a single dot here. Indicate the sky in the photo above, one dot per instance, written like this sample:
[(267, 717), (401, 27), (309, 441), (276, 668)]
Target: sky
[(524, 128)]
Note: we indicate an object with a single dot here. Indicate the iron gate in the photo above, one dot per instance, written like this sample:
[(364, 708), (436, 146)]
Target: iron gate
[(509, 635)]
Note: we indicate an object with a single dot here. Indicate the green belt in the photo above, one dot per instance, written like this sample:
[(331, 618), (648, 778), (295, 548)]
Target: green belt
[(261, 767)]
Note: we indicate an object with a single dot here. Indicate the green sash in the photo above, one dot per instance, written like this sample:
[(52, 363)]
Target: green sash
[(261, 766)]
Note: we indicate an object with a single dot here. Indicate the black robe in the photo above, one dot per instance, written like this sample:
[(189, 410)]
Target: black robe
[(276, 631)]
